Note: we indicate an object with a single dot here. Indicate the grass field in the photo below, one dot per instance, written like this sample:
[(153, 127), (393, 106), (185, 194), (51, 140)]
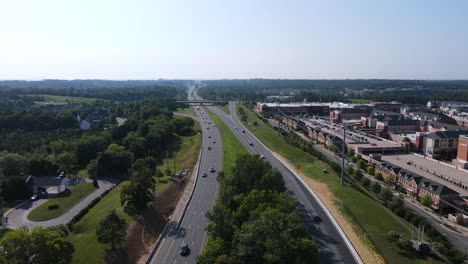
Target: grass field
[(371, 217), (64, 99), (185, 158), (225, 108), (83, 237), (186, 111), (231, 146), (66, 200)]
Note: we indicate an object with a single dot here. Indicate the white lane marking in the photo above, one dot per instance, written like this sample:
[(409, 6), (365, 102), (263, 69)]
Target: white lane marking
[(175, 261), (189, 226), (198, 226)]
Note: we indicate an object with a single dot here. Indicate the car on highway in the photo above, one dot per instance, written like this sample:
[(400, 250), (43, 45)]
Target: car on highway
[(209, 136), (207, 127), (251, 144), (262, 157), (214, 142), (316, 217), (204, 174), (243, 131), (212, 169), (184, 250), (209, 148)]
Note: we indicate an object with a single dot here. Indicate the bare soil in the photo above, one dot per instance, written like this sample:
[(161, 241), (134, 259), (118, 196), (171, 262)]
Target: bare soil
[(143, 233), (321, 189)]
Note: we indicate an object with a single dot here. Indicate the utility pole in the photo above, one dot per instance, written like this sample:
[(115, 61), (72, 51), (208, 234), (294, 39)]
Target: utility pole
[(343, 154)]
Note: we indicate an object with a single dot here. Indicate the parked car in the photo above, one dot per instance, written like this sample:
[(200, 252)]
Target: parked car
[(35, 197)]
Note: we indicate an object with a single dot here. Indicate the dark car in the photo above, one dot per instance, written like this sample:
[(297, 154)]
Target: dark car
[(316, 217), (209, 148), (251, 144), (204, 175), (212, 169), (184, 250), (243, 131)]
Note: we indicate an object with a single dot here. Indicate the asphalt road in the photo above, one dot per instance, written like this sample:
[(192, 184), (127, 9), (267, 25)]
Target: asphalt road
[(18, 217), (193, 226), (331, 246)]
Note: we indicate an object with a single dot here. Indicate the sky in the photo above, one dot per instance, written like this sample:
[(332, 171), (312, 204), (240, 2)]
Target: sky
[(198, 39)]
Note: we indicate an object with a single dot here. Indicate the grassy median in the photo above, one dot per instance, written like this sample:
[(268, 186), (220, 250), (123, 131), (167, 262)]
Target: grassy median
[(61, 204), (367, 215), (232, 148)]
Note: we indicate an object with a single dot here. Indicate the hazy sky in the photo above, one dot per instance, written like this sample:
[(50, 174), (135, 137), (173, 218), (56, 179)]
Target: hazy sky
[(137, 39)]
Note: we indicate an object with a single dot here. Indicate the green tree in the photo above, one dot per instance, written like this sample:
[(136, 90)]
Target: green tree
[(379, 176), (39, 246), (141, 190), (112, 230), (386, 195), (404, 244), (13, 164), (357, 175), (66, 161), (376, 187), (365, 182), (360, 164), (274, 237), (426, 200), (370, 170)]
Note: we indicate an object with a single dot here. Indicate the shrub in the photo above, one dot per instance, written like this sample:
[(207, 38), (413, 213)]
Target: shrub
[(375, 187), (370, 170), (379, 176), (53, 206), (365, 182), (357, 175), (393, 236)]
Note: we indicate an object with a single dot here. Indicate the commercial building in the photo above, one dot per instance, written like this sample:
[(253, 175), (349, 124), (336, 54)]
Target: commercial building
[(293, 108), (441, 144), (339, 115), (462, 152)]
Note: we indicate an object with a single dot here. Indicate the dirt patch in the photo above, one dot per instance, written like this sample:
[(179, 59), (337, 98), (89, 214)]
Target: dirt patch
[(321, 189), (143, 233)]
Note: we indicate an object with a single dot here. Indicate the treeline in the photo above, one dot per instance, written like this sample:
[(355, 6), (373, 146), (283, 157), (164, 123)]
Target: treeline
[(150, 132), (255, 220), (405, 91), (115, 94), (37, 120)]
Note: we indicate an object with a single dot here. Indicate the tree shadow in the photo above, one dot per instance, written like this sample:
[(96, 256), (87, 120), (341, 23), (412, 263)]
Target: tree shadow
[(116, 256)]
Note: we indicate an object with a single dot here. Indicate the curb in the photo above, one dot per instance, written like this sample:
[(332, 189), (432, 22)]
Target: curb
[(350, 246)]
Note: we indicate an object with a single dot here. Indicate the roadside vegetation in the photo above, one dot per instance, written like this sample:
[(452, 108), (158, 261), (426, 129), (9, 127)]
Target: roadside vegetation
[(255, 220), (55, 207), (366, 214)]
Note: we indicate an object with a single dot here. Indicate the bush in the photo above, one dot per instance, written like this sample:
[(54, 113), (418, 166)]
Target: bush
[(53, 206), (370, 170), (379, 176), (357, 175), (365, 182), (394, 236), (375, 187)]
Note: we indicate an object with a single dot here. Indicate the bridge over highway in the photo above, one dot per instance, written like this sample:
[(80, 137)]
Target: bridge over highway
[(202, 102)]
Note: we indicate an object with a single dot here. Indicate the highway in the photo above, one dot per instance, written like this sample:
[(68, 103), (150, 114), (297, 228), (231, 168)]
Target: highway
[(331, 246), (192, 228)]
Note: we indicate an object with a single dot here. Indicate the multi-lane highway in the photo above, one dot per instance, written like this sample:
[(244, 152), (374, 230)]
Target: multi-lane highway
[(333, 248), (192, 230)]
